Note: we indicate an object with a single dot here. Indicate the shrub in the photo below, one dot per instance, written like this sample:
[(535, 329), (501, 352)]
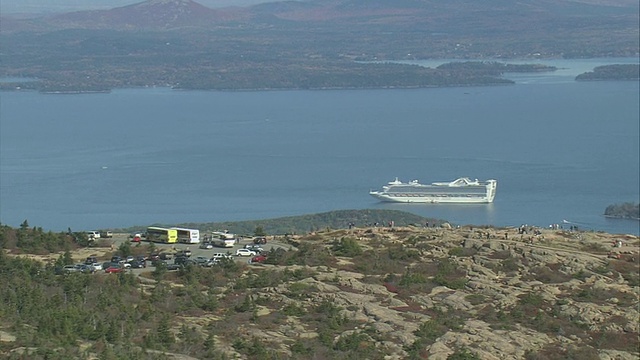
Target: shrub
[(476, 299), (462, 252), (463, 354), (299, 347), (549, 276), (621, 341), (300, 290), (400, 252), (562, 352), (409, 278), (509, 265), (355, 341), (347, 247), (448, 275), (246, 305), (293, 310)]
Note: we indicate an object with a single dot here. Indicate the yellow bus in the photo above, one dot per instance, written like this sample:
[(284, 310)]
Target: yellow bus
[(158, 234)]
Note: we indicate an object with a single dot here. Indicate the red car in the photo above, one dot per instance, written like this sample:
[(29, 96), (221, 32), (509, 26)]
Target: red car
[(136, 238), (113, 269), (258, 259)]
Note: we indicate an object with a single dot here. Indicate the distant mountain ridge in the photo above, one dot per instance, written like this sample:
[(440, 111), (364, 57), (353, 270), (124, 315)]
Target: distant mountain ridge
[(150, 14), (313, 44), (449, 15)]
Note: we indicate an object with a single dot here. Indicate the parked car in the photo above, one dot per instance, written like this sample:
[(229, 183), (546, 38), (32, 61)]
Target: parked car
[(97, 266), (260, 240), (167, 265), (159, 256), (220, 256), (70, 269), (91, 259), (245, 252), (258, 258), (138, 264), (136, 239), (116, 259), (186, 253), (173, 267), (93, 234), (212, 262), (254, 247), (106, 234), (114, 268), (200, 260), (206, 245), (183, 260), (86, 269)]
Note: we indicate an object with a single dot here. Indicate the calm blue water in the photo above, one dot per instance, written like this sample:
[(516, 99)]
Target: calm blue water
[(560, 150)]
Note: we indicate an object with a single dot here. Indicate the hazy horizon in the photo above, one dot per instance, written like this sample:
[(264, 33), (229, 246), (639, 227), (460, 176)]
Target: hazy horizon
[(8, 7)]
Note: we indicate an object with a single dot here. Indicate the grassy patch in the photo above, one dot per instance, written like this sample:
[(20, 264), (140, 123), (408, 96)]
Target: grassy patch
[(462, 252)]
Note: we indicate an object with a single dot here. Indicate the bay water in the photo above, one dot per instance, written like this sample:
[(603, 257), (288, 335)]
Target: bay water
[(561, 150)]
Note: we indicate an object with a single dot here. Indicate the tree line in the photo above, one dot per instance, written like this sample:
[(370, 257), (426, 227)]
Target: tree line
[(626, 210)]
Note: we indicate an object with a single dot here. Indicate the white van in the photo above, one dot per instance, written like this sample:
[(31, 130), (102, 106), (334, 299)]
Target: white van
[(93, 234)]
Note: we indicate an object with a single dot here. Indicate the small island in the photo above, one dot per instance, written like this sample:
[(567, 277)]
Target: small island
[(623, 211), (612, 72)]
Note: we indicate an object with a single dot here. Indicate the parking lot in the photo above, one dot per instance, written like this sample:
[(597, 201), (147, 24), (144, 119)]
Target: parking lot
[(195, 249)]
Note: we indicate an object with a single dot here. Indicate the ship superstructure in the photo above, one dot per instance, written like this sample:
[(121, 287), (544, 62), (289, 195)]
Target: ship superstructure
[(461, 190)]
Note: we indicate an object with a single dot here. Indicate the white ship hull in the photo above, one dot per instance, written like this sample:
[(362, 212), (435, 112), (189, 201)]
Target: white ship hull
[(459, 191)]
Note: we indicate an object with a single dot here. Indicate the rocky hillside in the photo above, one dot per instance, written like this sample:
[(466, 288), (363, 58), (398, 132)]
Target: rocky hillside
[(375, 293)]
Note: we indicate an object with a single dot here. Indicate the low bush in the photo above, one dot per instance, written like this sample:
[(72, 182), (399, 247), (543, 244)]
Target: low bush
[(347, 247)]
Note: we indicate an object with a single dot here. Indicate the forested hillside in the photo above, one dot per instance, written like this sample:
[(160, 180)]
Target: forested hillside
[(320, 44), (624, 210)]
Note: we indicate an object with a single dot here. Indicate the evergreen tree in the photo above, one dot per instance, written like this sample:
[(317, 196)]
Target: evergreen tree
[(165, 337), (125, 249), (24, 226), (67, 259), (259, 231)]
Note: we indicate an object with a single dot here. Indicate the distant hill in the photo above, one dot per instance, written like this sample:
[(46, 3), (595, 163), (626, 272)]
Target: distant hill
[(623, 211), (150, 14), (303, 224), (314, 44), (612, 72), (456, 16)]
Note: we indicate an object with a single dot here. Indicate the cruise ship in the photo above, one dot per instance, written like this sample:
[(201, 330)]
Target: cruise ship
[(462, 191)]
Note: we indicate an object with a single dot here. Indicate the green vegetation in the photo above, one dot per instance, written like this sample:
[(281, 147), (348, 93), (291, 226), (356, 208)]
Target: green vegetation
[(612, 72), (624, 211), (35, 240), (314, 222), (291, 46), (429, 331), (493, 68), (347, 247)]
